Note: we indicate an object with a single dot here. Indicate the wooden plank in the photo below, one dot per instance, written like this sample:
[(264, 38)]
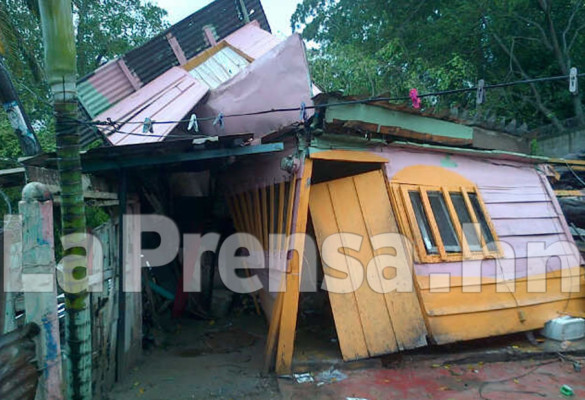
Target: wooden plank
[(412, 222), (38, 257), (276, 218), (404, 308), (289, 217), (280, 220), (453, 328), (528, 226), (345, 309), (433, 223), (291, 299), (376, 324), (528, 210), (264, 199), (273, 329), (488, 298), (511, 197), (348, 156), (12, 246), (569, 193), (424, 282)]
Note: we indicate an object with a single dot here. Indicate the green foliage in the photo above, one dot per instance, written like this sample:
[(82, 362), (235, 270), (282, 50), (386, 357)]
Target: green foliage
[(105, 29), (390, 46)]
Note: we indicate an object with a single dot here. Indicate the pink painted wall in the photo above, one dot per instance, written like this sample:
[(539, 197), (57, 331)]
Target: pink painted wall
[(518, 199)]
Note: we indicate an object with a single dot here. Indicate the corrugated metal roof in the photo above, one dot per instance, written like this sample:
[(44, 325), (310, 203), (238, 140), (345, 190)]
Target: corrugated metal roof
[(169, 97), (104, 88), (219, 68), (116, 80)]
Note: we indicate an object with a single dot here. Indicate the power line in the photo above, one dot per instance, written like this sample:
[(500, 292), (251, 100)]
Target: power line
[(114, 124)]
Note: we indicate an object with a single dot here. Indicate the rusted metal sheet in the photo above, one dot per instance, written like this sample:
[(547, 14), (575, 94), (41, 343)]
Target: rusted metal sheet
[(18, 373), (169, 97)]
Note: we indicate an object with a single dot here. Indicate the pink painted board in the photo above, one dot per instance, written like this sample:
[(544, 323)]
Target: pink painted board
[(170, 97), (518, 200), (253, 40)]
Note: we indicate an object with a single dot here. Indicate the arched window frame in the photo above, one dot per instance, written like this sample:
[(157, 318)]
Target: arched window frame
[(474, 205)]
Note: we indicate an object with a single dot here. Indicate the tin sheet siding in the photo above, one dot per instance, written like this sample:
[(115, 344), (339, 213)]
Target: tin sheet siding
[(18, 372)]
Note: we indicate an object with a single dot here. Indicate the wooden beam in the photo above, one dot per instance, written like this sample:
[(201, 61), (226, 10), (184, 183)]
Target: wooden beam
[(202, 155), (290, 306), (348, 155), (569, 193)]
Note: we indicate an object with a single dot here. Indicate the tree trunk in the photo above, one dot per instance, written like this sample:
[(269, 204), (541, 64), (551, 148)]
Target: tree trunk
[(60, 62)]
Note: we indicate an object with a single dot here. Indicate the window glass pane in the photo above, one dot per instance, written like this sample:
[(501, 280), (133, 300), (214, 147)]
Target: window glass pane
[(485, 229), (444, 222), (465, 220), (423, 223)]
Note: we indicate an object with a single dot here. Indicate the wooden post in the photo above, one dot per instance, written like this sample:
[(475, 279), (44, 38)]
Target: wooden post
[(290, 304), (38, 257), (11, 284)]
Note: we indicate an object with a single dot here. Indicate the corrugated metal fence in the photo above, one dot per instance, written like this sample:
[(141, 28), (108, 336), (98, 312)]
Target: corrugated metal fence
[(18, 373)]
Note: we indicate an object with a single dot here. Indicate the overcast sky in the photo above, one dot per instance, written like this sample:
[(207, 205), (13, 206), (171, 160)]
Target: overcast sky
[(278, 12)]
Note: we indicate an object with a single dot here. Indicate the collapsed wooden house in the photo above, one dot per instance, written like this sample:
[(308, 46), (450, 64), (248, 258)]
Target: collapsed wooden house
[(470, 213), (243, 139)]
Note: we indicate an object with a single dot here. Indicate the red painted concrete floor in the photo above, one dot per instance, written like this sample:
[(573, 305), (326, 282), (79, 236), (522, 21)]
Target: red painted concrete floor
[(517, 380)]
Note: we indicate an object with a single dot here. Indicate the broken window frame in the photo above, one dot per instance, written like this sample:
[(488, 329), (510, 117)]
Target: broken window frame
[(409, 223)]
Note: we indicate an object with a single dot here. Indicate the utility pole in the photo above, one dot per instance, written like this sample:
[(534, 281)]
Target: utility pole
[(60, 63)]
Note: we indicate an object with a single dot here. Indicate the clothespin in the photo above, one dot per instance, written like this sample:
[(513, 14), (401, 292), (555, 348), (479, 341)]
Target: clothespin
[(415, 99), (480, 99), (193, 123), (303, 112), (147, 126), (218, 120), (573, 81)]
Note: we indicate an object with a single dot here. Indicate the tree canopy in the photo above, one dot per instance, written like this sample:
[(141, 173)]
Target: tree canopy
[(105, 29), (377, 47)]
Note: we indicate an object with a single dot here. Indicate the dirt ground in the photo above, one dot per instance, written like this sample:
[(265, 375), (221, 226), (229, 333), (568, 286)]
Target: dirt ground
[(219, 359), (222, 359)]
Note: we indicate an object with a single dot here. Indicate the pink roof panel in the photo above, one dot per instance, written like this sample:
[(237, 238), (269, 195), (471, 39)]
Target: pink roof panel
[(169, 97), (253, 40), (279, 79)]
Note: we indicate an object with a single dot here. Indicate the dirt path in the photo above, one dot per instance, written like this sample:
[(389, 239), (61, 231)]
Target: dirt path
[(203, 360)]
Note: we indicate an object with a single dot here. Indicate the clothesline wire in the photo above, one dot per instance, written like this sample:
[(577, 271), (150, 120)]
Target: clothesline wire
[(336, 104)]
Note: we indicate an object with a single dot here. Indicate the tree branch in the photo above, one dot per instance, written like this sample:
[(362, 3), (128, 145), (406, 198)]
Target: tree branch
[(538, 98), (545, 39), (574, 38), (570, 23)]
